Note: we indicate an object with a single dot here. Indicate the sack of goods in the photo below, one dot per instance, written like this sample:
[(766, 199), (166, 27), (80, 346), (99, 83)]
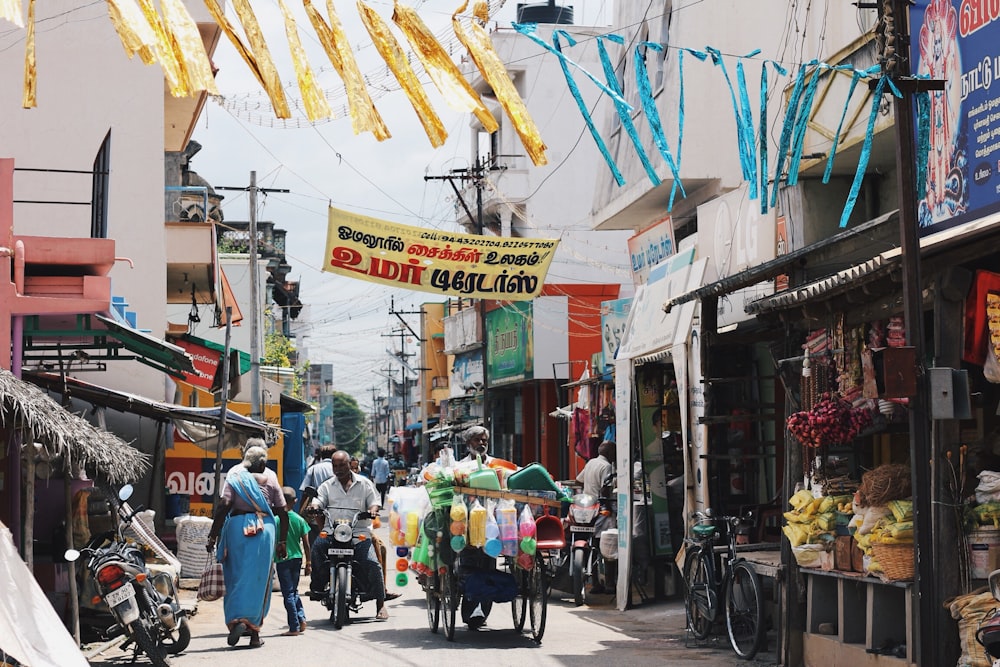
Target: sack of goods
[(609, 544)]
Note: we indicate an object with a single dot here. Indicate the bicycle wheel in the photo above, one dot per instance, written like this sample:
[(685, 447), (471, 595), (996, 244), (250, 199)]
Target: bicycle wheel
[(744, 614), (700, 600), (519, 605), (433, 597), (539, 599), (449, 603)]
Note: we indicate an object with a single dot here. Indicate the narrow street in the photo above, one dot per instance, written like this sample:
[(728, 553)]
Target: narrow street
[(598, 635)]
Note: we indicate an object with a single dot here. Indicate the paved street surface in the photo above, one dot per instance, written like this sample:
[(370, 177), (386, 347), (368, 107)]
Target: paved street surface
[(597, 635)]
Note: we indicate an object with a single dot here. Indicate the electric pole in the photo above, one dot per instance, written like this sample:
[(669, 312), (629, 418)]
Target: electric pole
[(425, 446), (255, 309)]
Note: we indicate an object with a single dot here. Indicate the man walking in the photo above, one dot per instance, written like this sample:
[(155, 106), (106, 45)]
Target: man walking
[(380, 474)]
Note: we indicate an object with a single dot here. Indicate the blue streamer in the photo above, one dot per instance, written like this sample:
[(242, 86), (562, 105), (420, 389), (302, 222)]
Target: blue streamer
[(855, 77), (923, 141), (763, 130), (786, 130), (653, 115), (866, 149), (748, 160), (623, 112), (748, 138), (801, 125), (601, 146)]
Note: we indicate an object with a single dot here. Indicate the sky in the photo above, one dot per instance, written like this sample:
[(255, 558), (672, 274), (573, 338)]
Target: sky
[(349, 322)]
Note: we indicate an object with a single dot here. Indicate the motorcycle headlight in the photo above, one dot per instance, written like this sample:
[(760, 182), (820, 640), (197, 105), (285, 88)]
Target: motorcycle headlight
[(583, 514), (342, 532)]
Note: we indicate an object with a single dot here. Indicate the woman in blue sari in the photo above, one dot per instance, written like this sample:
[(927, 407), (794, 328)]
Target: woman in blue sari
[(245, 520)]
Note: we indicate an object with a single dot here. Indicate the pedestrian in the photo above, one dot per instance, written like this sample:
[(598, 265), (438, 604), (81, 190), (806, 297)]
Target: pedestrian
[(243, 537), (320, 471), (380, 474), (288, 568), (597, 478), (477, 442)]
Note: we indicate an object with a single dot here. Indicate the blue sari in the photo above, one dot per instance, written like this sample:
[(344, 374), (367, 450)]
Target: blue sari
[(246, 549)]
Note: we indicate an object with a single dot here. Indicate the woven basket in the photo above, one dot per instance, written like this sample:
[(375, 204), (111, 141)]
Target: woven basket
[(896, 560)]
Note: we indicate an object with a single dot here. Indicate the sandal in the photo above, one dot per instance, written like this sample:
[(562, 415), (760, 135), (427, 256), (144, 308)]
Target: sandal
[(235, 633), (302, 626), (291, 633), (382, 615), (257, 645)]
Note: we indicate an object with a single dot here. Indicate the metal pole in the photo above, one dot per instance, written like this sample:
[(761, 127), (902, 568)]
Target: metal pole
[(254, 305), (223, 408), (482, 302)]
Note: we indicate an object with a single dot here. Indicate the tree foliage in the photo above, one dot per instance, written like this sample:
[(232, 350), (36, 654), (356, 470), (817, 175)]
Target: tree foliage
[(349, 424)]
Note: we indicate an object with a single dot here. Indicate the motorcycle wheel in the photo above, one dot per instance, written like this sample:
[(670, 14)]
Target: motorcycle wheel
[(340, 586), (148, 644), (176, 640), (579, 580)]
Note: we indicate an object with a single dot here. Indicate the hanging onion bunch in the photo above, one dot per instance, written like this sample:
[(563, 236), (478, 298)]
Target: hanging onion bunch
[(831, 421)]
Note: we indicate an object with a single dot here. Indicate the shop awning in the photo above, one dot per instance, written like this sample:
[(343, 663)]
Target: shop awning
[(416, 426), (197, 424), (26, 408), (651, 331)]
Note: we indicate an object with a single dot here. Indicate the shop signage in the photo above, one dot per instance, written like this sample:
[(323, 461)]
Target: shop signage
[(739, 237), (467, 373), (955, 41), (614, 315), (442, 263), (206, 363), (509, 353), (650, 247)]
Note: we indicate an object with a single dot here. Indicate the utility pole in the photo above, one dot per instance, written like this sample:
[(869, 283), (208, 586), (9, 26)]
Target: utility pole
[(254, 292), (425, 445), (477, 176), (894, 38)]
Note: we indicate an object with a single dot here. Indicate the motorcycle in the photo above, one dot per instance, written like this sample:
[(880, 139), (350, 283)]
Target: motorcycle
[(988, 633), (138, 604), (587, 514), (346, 591)]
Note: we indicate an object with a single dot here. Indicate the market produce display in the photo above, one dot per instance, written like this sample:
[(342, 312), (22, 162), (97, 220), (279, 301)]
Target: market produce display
[(831, 421)]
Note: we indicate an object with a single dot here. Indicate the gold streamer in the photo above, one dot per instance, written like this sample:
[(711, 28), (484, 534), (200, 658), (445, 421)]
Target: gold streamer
[(133, 30), (11, 10), (315, 101), (268, 72), (188, 47), (176, 80), (396, 60), (485, 57), (443, 72), (364, 116), (30, 100), (227, 27)]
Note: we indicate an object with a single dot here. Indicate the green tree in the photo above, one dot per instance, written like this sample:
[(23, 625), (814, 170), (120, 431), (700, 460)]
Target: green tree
[(349, 424), (279, 351)]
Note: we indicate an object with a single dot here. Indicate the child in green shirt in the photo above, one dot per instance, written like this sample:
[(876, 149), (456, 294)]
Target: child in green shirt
[(288, 569)]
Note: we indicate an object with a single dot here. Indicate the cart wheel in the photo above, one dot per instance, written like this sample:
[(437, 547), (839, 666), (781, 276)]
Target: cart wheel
[(433, 596), (519, 605), (538, 598), (449, 603)]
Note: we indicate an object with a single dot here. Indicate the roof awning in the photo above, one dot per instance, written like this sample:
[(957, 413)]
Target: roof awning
[(200, 425), (651, 332), (228, 299), (25, 407), (783, 263), (91, 339), (416, 426)]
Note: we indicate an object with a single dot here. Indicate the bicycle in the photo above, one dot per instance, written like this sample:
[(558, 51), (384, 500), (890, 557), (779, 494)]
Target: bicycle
[(711, 570)]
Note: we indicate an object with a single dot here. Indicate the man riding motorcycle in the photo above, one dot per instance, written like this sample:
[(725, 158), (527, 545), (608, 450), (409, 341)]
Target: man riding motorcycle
[(340, 497)]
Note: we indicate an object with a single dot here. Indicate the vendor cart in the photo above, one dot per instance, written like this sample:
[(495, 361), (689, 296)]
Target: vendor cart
[(527, 590)]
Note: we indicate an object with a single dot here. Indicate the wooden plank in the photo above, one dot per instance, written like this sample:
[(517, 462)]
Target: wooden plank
[(509, 495)]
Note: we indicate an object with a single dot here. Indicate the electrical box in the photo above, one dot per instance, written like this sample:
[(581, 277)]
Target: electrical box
[(949, 394)]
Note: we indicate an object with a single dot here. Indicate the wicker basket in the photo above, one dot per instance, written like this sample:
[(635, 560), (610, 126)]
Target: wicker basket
[(896, 560)]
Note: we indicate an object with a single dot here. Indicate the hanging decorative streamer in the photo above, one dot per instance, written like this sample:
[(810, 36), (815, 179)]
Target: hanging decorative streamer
[(439, 66), (394, 57), (762, 132), (923, 99), (165, 51), (188, 48), (575, 90), (480, 49), (744, 118), (11, 10), (623, 114), (801, 125), (866, 148), (855, 77), (248, 58), (135, 33), (786, 130), (30, 98), (317, 108), (653, 118)]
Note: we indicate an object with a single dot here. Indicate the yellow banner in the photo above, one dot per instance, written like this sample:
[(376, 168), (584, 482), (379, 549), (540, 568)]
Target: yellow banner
[(443, 263)]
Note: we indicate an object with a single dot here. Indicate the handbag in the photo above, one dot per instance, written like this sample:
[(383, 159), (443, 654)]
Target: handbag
[(213, 583)]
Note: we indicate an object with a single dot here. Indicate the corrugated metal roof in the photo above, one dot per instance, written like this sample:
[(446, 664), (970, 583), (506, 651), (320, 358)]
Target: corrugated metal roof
[(841, 281)]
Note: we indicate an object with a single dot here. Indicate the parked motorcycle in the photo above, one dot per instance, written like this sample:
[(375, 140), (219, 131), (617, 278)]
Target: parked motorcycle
[(587, 516), (988, 633), (346, 592), (140, 605)]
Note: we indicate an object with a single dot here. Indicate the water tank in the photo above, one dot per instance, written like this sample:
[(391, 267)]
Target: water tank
[(544, 12)]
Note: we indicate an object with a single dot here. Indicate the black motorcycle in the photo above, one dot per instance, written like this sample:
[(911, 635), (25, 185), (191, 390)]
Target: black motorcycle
[(346, 592), (138, 604)]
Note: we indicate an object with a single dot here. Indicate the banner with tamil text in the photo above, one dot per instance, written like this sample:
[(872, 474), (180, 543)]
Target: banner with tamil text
[(428, 260)]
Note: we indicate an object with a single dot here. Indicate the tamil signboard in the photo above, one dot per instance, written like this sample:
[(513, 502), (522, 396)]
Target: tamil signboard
[(650, 247), (509, 353)]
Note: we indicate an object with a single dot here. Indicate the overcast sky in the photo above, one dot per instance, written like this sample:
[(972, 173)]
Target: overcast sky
[(326, 164)]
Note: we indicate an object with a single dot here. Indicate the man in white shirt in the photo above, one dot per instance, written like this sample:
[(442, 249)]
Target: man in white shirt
[(597, 474)]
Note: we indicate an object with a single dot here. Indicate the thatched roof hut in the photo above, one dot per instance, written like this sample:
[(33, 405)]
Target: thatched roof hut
[(26, 408)]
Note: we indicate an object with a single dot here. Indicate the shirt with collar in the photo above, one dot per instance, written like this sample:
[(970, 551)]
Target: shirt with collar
[(360, 495)]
